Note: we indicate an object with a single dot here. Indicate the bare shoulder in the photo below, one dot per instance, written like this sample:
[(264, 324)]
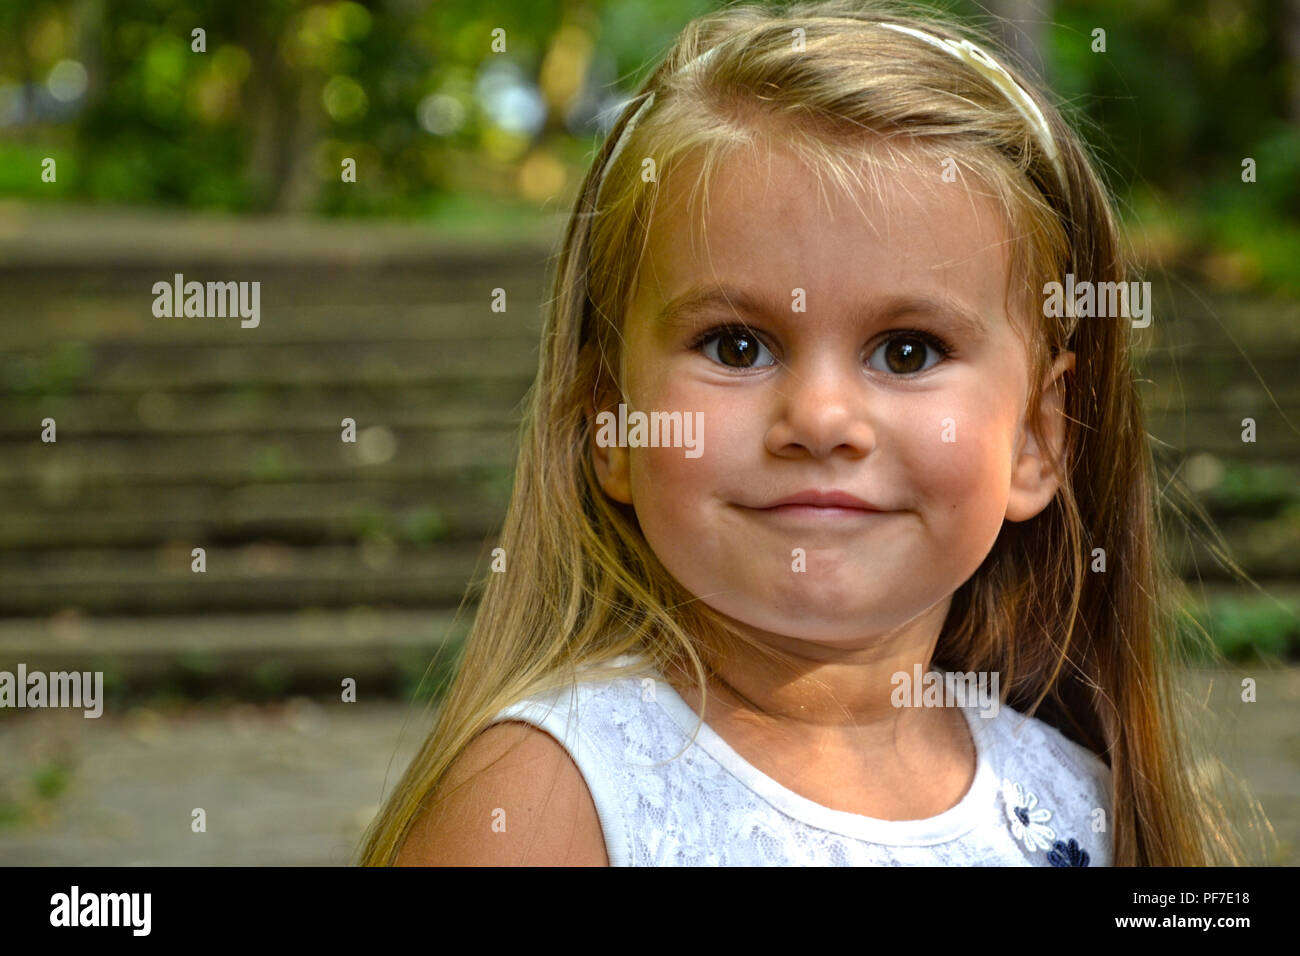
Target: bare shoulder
[(517, 799)]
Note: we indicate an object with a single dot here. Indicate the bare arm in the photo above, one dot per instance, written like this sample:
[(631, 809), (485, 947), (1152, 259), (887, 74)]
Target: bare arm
[(521, 776)]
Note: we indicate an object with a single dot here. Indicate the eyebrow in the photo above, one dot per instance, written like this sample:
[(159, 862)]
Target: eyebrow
[(704, 298)]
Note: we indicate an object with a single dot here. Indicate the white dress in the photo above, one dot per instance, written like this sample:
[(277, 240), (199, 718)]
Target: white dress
[(1037, 799)]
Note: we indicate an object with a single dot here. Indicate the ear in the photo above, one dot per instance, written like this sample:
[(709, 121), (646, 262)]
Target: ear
[(1034, 481), (611, 462)]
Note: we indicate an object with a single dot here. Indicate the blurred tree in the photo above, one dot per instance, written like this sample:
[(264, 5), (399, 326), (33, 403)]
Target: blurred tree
[(418, 97), (283, 113), (1291, 30), (1023, 26)]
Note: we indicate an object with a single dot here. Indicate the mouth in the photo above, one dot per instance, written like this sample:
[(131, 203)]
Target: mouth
[(832, 498), (819, 508), (818, 514)]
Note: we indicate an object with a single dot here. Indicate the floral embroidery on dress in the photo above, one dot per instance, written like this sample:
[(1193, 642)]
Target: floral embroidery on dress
[(1029, 825), (1067, 854), (1028, 820)]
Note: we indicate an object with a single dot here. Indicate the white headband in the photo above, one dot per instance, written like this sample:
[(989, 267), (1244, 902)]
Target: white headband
[(964, 50), (1024, 103), (636, 118)]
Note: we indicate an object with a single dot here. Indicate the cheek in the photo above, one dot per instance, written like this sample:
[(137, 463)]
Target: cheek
[(683, 505), (960, 455), (670, 495), (728, 437), (668, 487)]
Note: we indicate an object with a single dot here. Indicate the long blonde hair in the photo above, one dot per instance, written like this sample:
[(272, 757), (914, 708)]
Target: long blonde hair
[(1093, 654)]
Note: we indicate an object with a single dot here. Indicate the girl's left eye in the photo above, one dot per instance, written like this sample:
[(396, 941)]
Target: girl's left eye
[(903, 351)]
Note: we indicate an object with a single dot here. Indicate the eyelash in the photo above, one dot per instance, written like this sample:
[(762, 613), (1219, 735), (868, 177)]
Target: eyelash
[(933, 341)]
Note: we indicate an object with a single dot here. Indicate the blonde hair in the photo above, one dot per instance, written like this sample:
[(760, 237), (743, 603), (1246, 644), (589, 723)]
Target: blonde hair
[(1094, 655)]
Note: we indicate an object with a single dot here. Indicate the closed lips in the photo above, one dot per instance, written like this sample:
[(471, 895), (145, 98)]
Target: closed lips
[(824, 499)]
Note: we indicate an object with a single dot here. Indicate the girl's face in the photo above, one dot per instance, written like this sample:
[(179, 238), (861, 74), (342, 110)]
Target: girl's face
[(841, 385)]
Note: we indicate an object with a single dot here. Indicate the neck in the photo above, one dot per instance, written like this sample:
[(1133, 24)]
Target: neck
[(828, 691)]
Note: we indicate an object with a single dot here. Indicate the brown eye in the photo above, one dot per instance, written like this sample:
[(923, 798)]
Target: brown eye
[(907, 354)]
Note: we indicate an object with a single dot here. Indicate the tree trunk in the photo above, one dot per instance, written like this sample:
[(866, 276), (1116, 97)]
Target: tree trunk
[(1291, 28), (1024, 26), (284, 115)]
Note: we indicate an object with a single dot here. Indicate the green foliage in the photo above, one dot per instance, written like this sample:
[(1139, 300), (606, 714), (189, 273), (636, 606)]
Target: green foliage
[(1244, 629), (45, 784), (423, 525), (20, 170), (286, 90), (1248, 627), (367, 519), (271, 680), (271, 463), (11, 814), (425, 678), (1246, 487), (50, 781), (48, 373)]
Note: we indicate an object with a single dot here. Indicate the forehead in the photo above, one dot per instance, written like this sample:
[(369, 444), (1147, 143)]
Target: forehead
[(766, 225)]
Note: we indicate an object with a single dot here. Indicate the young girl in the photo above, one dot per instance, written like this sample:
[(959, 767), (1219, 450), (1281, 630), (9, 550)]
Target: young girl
[(902, 604)]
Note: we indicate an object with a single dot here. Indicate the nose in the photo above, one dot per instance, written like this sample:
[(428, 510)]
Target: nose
[(822, 410)]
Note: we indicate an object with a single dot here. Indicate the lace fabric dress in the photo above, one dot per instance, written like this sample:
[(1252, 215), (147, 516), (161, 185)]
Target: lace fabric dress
[(1037, 799)]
